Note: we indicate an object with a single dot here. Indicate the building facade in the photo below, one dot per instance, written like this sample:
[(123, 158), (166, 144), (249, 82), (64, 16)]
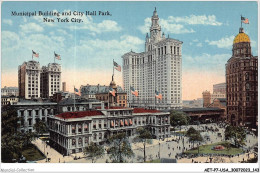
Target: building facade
[(29, 74), (50, 80), (70, 132), (9, 91), (242, 83), (158, 68), (206, 98), (9, 100), (219, 88), (31, 111), (219, 91)]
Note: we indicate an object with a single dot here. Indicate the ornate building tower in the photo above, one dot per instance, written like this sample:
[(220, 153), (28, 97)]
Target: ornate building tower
[(241, 80), (158, 68), (113, 99)]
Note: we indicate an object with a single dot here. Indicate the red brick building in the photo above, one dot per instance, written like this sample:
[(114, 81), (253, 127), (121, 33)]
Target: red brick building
[(241, 80)]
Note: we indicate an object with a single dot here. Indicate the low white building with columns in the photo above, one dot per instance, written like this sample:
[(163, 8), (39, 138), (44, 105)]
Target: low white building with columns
[(70, 132)]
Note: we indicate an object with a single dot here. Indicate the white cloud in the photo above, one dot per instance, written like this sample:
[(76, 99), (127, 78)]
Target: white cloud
[(167, 25), (196, 20), (31, 27), (199, 44), (176, 24), (10, 40), (225, 42), (8, 22)]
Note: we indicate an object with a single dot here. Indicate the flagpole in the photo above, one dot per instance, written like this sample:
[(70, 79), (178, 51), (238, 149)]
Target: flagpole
[(241, 21), (113, 69), (74, 98), (32, 54), (54, 61)]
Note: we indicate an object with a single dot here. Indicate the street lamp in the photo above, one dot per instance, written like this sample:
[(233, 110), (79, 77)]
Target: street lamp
[(159, 148)]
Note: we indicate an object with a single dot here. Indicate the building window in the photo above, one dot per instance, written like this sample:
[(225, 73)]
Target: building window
[(86, 139), (80, 141), (86, 128), (73, 142), (95, 137), (80, 128), (73, 128), (100, 136)]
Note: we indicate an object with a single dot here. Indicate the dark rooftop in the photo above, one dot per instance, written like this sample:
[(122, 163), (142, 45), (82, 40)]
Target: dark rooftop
[(68, 115)]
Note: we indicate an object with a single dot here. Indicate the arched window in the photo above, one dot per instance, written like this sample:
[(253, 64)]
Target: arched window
[(73, 141), (80, 141)]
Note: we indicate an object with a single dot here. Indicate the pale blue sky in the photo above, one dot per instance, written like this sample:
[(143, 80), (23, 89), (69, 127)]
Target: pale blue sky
[(207, 30)]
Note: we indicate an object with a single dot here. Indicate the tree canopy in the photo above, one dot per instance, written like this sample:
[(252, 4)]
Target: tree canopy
[(40, 127), (236, 133), (194, 136), (178, 118), (144, 136), (94, 151), (12, 140), (120, 148)]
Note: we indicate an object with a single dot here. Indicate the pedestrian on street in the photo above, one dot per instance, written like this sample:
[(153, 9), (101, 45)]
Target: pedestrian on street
[(59, 160)]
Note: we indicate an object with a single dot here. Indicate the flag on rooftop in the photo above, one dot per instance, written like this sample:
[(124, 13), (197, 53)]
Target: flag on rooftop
[(133, 91), (244, 20), (35, 54), (57, 56), (77, 92), (158, 95), (117, 67), (112, 91)]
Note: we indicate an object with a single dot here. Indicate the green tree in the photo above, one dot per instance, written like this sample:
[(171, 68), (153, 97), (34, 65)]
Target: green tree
[(143, 136), (236, 133), (11, 144), (178, 118), (93, 151), (40, 127), (119, 148), (194, 136), (191, 131)]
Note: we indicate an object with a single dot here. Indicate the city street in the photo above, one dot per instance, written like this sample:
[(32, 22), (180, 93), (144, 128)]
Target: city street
[(158, 149)]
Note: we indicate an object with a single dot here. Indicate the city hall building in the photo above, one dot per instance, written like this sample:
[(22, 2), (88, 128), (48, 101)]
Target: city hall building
[(70, 132), (159, 68)]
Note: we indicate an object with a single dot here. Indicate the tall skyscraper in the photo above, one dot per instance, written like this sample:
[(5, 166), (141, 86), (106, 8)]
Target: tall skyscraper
[(29, 79), (64, 86), (50, 80), (158, 68), (241, 79)]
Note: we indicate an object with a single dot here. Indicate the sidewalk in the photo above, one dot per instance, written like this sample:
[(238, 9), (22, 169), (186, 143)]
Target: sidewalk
[(55, 156)]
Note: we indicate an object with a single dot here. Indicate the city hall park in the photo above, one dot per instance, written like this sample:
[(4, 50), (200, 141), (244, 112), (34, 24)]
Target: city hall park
[(31, 153), (207, 149)]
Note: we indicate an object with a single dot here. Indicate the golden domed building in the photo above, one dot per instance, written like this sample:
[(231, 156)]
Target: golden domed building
[(241, 81)]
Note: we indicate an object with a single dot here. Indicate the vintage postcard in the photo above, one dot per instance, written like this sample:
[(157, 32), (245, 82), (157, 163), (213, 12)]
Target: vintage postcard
[(129, 82)]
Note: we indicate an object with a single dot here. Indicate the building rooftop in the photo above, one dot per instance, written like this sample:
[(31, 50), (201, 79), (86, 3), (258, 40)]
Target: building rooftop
[(68, 101), (143, 110), (198, 109), (98, 89), (68, 115)]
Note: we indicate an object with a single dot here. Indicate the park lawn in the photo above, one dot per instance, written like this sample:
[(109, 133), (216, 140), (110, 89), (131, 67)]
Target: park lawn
[(206, 149), (31, 153)]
